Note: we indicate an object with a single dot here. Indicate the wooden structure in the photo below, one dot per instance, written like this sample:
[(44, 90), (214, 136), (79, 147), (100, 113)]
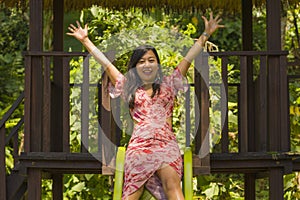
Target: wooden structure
[(264, 136)]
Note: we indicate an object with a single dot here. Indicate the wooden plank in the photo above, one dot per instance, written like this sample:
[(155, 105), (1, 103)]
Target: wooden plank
[(224, 106), (251, 107), (273, 24), (16, 147), (247, 27), (46, 104), (202, 148), (35, 44), (36, 25), (276, 183), (187, 104), (99, 114), (284, 105), (249, 180), (58, 25), (244, 105), (85, 107), (57, 187), (15, 105), (274, 104), (57, 105), (66, 105), (105, 121), (34, 183), (262, 108), (36, 105), (116, 121), (27, 104), (3, 163)]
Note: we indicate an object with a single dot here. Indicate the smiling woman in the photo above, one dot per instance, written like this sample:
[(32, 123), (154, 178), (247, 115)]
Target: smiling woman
[(153, 159)]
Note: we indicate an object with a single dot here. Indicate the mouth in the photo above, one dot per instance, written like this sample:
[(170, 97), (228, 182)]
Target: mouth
[(147, 71)]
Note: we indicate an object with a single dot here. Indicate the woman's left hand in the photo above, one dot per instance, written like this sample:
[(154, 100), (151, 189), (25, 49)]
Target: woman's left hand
[(212, 24)]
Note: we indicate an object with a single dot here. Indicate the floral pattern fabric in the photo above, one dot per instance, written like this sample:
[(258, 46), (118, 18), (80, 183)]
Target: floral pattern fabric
[(153, 143)]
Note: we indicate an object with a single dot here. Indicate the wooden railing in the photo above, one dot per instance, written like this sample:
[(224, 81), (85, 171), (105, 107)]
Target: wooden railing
[(5, 139), (263, 137), (262, 99)]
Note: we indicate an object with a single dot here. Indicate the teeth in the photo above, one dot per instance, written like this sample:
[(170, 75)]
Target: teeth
[(147, 70)]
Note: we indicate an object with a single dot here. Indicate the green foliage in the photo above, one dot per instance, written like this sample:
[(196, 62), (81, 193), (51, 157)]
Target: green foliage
[(87, 186), (13, 40)]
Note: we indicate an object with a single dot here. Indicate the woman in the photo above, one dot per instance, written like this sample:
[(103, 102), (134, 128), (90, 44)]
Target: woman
[(153, 159)]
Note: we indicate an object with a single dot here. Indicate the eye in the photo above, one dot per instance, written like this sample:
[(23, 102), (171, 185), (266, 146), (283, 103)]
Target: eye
[(152, 60), (141, 61)]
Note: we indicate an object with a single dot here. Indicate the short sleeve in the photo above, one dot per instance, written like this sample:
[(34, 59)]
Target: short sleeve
[(177, 81), (117, 89)]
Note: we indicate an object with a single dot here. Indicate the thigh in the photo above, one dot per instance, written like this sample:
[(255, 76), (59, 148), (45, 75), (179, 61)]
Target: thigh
[(167, 173), (136, 195)]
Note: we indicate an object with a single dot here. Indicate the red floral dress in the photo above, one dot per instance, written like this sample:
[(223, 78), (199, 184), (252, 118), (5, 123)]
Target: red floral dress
[(153, 143)]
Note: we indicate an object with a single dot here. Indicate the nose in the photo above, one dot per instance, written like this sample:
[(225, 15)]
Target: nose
[(147, 64)]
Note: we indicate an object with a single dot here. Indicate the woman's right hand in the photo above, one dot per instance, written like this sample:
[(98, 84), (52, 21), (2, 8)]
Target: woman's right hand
[(78, 32)]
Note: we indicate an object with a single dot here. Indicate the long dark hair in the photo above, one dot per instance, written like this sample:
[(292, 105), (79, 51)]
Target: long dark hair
[(133, 80)]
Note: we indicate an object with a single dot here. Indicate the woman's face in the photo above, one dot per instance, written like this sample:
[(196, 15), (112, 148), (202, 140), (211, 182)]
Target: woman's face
[(147, 67)]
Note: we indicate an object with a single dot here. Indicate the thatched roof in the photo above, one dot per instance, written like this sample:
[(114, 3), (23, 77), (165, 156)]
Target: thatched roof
[(181, 5)]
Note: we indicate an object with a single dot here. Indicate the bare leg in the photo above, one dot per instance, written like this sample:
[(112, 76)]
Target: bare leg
[(136, 195), (171, 182)]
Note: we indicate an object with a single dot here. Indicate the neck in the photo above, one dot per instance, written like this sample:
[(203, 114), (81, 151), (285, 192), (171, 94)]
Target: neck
[(147, 85)]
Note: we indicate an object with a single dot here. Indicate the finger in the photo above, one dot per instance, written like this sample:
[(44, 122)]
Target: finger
[(204, 19), (71, 30), (217, 17), (78, 24), (221, 26), (85, 26), (211, 16), (219, 20), (73, 27)]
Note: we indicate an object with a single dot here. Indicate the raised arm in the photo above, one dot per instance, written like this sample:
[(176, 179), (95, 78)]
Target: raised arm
[(81, 34), (211, 26)]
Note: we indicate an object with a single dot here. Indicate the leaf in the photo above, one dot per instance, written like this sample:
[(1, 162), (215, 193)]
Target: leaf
[(78, 187), (88, 176)]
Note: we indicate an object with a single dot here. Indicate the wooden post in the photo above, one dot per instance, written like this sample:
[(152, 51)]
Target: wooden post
[(274, 95), (202, 147), (57, 187), (2, 161), (35, 105), (261, 106), (36, 98), (250, 186), (34, 184), (276, 184), (224, 106), (57, 89), (244, 109)]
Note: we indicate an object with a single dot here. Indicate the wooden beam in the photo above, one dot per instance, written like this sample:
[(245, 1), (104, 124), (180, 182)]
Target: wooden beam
[(273, 25), (57, 89), (36, 87), (247, 28)]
